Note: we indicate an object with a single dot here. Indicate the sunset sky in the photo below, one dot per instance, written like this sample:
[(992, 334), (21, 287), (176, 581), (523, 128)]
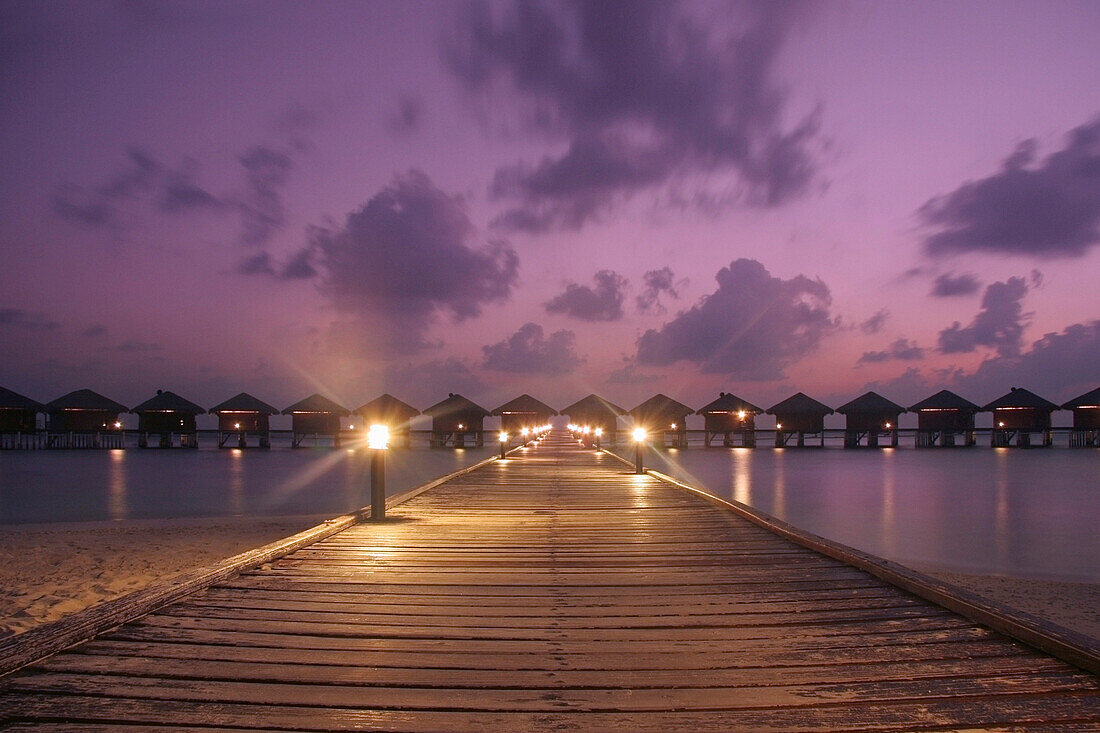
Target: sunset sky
[(554, 198)]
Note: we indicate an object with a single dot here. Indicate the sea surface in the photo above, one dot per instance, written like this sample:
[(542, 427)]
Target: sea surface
[(1015, 512), (1022, 513)]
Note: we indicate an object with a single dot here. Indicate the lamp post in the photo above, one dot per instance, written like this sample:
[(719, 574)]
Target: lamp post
[(598, 433), (639, 445), (378, 438), (503, 443)]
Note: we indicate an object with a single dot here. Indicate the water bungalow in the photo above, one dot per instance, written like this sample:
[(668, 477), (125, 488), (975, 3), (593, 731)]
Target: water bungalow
[(663, 416), (19, 421), (523, 412), (799, 416), (317, 416), (731, 418), (84, 419), (242, 416), (869, 416), (943, 417), (1086, 420), (393, 413), (595, 412), (455, 418), (167, 415), (1017, 415)]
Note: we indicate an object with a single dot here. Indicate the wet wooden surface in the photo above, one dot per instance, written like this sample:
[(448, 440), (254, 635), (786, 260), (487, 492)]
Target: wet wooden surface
[(554, 590)]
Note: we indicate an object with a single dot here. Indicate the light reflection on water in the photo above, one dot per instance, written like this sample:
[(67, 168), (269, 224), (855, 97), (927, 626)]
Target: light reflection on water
[(1027, 513)]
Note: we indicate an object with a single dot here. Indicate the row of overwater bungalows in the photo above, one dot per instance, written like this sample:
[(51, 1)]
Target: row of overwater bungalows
[(85, 419)]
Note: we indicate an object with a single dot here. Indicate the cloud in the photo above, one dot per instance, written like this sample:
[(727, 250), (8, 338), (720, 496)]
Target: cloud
[(407, 115), (407, 256), (1049, 209), (527, 352), (26, 320), (94, 331), (181, 193), (629, 374), (655, 283), (261, 209), (875, 323), (602, 302), (902, 350), (422, 383), (257, 264), (949, 285), (642, 94), (999, 324), (752, 327)]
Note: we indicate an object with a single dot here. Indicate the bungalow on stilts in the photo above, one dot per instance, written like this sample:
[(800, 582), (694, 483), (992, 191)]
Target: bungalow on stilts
[(241, 416), (943, 418), (166, 415), (394, 414), (1086, 420), (799, 416), (19, 421), (869, 416), (663, 416), (1019, 414), (317, 416), (596, 413), (732, 419), (454, 419), (523, 413), (84, 419)]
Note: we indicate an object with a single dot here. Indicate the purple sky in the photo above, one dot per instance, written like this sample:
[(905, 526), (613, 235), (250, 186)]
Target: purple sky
[(425, 197)]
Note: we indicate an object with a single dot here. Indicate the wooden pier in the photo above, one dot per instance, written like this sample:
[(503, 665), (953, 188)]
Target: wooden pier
[(552, 590)]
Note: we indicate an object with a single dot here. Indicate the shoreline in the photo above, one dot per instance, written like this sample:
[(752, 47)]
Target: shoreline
[(48, 571)]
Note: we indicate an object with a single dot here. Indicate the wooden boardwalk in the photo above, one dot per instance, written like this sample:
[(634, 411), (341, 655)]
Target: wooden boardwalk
[(553, 591)]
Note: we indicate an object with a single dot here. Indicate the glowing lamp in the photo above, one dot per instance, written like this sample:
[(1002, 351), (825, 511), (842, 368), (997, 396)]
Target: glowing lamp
[(503, 437), (378, 437), (236, 426), (673, 426), (461, 426), (740, 414), (599, 432), (639, 441), (351, 427), (887, 426), (639, 435), (778, 426), (1001, 424), (525, 432), (117, 424)]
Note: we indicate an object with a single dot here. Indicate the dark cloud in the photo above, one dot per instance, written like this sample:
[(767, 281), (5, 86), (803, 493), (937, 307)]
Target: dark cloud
[(94, 331), (257, 264), (528, 352), (875, 323), (643, 93), (752, 327), (949, 285), (262, 211), (999, 324), (181, 193), (1049, 209), (300, 266), (629, 374), (407, 256), (407, 115), (656, 282), (98, 207), (902, 350), (602, 302), (26, 320)]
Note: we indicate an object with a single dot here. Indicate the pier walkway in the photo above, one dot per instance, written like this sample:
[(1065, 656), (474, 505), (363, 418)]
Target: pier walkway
[(554, 590)]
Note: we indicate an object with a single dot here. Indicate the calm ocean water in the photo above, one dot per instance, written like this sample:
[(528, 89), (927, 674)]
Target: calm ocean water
[(1026, 513)]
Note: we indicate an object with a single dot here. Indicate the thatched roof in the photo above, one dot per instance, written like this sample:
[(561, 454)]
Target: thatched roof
[(166, 401), (455, 403), (387, 407), (85, 399), (799, 404), (244, 402), (662, 406), (14, 401), (317, 404), (871, 402), (593, 404), (945, 400), (727, 402), (524, 404), (1020, 397), (1088, 399)]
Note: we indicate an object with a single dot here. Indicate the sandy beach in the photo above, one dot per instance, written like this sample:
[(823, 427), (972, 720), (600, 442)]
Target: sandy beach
[(50, 570)]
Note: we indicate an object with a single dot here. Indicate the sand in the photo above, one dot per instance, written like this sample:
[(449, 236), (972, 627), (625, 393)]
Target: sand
[(50, 570)]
